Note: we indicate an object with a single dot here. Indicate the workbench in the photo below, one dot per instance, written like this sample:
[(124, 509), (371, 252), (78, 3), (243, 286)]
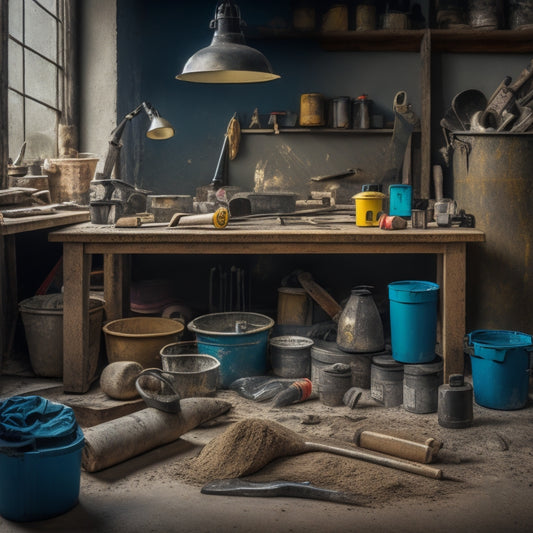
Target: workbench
[(9, 229), (80, 241)]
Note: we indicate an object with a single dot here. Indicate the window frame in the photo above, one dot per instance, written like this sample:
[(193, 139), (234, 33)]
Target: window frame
[(66, 71)]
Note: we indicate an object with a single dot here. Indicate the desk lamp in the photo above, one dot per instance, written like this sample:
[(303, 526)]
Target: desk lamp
[(227, 59), (159, 129)]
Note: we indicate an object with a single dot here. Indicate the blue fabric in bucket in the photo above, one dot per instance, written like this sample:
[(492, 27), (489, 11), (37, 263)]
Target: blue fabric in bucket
[(35, 422)]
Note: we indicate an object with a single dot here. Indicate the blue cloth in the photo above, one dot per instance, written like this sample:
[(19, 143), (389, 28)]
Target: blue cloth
[(35, 419)]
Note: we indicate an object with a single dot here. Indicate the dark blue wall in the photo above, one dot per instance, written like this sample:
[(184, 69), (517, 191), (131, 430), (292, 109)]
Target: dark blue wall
[(155, 39)]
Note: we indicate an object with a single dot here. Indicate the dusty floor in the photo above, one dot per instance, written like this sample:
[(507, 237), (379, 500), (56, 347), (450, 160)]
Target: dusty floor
[(491, 464)]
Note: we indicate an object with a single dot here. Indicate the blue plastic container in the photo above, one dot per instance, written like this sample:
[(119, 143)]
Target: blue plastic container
[(400, 200), (413, 320), (40, 484), (238, 340), (500, 367)]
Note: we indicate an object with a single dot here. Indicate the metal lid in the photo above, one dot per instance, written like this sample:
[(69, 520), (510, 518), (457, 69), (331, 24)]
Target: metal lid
[(386, 361), (291, 342), (423, 369)]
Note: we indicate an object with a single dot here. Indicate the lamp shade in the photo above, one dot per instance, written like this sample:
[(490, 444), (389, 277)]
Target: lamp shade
[(160, 129), (227, 59)]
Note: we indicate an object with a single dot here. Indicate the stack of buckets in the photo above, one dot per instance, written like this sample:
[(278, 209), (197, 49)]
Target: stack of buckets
[(413, 320), (500, 360)]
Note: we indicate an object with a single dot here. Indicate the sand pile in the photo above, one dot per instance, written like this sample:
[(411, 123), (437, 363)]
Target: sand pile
[(244, 448)]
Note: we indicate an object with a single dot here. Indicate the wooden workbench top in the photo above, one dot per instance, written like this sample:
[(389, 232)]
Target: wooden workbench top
[(267, 232), (299, 234), (12, 226)]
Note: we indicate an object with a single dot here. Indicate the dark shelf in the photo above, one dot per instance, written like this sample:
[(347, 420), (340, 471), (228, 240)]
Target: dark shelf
[(259, 131), (457, 41)]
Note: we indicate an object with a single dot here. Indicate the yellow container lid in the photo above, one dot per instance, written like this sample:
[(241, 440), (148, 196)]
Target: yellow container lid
[(369, 195)]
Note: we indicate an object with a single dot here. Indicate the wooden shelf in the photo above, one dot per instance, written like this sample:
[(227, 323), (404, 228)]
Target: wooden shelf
[(456, 41), (342, 131)]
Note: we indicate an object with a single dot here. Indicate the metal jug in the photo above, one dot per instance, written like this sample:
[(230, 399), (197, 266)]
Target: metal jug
[(360, 328)]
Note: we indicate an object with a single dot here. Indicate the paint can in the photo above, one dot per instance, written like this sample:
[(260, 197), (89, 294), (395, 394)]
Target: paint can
[(455, 403), (326, 353), (361, 112), (420, 387), (295, 307), (365, 17), (335, 381), (312, 111), (386, 380), (290, 356), (340, 112)]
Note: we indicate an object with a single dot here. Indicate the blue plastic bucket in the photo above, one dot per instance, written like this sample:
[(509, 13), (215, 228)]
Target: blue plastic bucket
[(238, 340), (413, 320), (40, 484), (500, 367), (400, 200)]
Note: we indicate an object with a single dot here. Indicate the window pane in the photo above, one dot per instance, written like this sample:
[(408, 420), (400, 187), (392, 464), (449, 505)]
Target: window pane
[(15, 116), (41, 131), (14, 67), (15, 18), (51, 5), (41, 31), (41, 79)]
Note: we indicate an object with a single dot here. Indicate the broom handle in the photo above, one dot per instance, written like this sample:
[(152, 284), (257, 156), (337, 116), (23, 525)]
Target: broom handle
[(377, 458)]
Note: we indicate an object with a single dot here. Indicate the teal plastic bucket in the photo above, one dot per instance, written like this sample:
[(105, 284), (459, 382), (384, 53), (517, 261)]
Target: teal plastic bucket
[(238, 340), (40, 484), (400, 200), (500, 367), (413, 320)]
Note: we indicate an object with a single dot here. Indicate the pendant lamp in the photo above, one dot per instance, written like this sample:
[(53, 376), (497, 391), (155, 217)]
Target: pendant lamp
[(227, 59)]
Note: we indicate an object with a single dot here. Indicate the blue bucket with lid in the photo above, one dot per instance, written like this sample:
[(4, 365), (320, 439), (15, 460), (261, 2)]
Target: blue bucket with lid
[(40, 458), (500, 362), (413, 320)]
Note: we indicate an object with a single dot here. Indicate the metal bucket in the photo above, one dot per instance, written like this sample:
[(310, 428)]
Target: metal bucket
[(42, 317), (493, 180), (238, 340)]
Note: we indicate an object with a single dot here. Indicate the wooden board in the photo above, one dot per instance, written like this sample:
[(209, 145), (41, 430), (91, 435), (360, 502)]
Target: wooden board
[(91, 408)]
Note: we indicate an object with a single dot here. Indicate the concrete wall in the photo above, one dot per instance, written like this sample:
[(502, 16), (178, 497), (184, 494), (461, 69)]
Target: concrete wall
[(98, 75)]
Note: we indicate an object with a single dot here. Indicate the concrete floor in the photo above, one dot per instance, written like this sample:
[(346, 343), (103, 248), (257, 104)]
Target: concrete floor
[(136, 497)]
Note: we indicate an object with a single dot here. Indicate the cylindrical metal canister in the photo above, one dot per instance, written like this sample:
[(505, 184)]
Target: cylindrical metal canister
[(312, 112), (493, 179), (420, 387), (290, 356), (335, 380), (386, 381), (455, 408), (341, 112), (295, 307)]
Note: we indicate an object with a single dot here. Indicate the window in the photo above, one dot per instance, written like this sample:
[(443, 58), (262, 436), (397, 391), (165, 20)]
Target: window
[(35, 76)]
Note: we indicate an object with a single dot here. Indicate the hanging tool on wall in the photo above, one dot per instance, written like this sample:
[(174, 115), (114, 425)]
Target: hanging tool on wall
[(405, 121), (229, 151)]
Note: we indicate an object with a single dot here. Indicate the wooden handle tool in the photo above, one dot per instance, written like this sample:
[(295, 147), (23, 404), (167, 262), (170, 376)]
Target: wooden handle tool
[(219, 219), (420, 452)]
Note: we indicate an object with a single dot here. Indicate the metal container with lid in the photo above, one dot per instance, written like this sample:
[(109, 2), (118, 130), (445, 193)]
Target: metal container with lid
[(386, 380), (456, 408), (421, 385), (368, 208), (326, 353)]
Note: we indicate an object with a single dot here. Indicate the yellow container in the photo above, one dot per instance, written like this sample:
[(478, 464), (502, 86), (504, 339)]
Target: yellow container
[(368, 208)]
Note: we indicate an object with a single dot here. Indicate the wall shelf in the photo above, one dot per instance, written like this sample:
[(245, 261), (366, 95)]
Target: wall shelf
[(457, 41), (318, 130)]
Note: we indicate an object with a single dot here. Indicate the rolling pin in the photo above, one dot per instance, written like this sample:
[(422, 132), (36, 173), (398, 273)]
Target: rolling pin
[(419, 452), (219, 219)]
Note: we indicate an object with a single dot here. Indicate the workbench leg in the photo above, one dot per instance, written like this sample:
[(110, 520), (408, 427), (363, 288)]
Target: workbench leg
[(78, 370), (117, 273), (3, 303), (452, 278)]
